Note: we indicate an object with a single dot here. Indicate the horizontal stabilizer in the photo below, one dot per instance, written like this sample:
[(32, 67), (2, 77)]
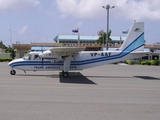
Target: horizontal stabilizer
[(140, 52)]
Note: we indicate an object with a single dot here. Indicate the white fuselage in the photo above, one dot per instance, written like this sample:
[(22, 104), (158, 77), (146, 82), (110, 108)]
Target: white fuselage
[(80, 61), (70, 58)]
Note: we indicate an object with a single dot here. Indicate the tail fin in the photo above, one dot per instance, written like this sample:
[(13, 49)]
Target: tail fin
[(135, 38)]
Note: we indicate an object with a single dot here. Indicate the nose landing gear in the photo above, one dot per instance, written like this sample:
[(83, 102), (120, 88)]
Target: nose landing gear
[(12, 72)]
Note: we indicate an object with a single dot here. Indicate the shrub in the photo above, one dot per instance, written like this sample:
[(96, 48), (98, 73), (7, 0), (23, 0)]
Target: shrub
[(130, 62), (159, 62), (145, 62), (150, 62), (5, 59), (154, 62), (139, 61)]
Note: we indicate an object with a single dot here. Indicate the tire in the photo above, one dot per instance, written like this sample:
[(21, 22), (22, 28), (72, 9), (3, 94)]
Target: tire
[(65, 74), (12, 72)]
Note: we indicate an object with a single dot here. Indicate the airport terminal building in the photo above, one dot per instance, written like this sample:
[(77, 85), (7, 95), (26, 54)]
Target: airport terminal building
[(73, 40), (85, 40), (70, 40)]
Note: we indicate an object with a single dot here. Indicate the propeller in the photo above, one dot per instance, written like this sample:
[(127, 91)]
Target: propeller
[(42, 56), (42, 61)]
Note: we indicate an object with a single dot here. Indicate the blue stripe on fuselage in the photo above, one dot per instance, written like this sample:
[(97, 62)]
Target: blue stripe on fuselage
[(137, 43)]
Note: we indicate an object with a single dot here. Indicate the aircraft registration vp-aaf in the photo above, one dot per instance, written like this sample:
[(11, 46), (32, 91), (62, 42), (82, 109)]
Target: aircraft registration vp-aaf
[(75, 58)]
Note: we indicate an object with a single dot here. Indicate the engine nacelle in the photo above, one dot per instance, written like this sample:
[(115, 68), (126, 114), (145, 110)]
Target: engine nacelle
[(50, 55)]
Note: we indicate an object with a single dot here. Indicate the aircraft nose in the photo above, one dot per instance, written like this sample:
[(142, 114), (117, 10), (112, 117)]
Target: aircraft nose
[(9, 64)]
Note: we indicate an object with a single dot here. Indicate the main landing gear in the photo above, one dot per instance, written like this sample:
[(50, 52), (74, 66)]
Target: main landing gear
[(65, 74), (12, 72)]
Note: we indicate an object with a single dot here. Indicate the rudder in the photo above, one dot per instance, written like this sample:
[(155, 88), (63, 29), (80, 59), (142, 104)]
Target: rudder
[(135, 38)]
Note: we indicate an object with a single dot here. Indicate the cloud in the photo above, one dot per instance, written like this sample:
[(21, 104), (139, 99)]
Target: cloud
[(142, 9), (78, 8), (23, 30), (80, 24), (17, 5), (125, 9)]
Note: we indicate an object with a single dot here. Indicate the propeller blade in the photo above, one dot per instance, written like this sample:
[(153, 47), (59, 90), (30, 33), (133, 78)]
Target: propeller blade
[(42, 61)]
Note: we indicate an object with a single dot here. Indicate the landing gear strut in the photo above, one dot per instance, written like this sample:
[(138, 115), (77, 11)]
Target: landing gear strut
[(65, 74), (12, 72)]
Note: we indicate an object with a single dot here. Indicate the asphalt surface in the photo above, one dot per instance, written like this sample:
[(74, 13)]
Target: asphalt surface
[(109, 92)]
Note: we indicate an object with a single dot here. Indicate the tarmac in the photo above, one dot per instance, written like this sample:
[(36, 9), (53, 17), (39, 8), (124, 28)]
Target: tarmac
[(109, 92)]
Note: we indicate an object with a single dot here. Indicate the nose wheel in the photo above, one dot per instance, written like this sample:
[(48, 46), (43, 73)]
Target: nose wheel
[(65, 74), (12, 72)]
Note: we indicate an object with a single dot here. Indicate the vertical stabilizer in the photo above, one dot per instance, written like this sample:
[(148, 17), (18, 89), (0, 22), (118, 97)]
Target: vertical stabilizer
[(135, 38)]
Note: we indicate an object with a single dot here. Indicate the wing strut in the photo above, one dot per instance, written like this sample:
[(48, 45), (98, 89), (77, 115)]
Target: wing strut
[(67, 61)]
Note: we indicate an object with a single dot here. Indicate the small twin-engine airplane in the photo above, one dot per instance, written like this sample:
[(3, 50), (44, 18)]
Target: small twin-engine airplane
[(75, 58)]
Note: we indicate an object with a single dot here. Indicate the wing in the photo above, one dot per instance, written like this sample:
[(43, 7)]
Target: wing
[(67, 51)]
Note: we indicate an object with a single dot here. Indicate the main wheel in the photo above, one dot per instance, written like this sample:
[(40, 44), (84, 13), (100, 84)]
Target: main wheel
[(12, 72), (65, 74)]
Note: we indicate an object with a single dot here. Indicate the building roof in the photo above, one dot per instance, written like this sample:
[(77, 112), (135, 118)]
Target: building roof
[(21, 46), (156, 44), (72, 37), (42, 48)]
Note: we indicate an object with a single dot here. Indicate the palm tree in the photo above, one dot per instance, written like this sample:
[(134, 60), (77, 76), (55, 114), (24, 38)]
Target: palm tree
[(102, 38), (12, 51), (8, 49), (2, 45)]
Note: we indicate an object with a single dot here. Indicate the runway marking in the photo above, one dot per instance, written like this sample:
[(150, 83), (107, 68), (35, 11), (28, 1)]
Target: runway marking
[(92, 88)]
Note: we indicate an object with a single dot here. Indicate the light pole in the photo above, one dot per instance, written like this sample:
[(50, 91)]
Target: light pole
[(107, 7)]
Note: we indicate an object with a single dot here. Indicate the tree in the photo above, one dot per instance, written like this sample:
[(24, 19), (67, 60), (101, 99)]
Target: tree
[(12, 51), (8, 49), (102, 38), (2, 45)]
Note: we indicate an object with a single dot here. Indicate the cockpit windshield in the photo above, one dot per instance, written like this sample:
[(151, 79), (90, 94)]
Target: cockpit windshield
[(27, 57)]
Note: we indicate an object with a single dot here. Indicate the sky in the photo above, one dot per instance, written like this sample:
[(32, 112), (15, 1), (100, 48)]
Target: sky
[(27, 21)]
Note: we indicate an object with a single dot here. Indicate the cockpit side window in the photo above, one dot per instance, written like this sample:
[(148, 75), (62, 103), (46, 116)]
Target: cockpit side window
[(36, 57)]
